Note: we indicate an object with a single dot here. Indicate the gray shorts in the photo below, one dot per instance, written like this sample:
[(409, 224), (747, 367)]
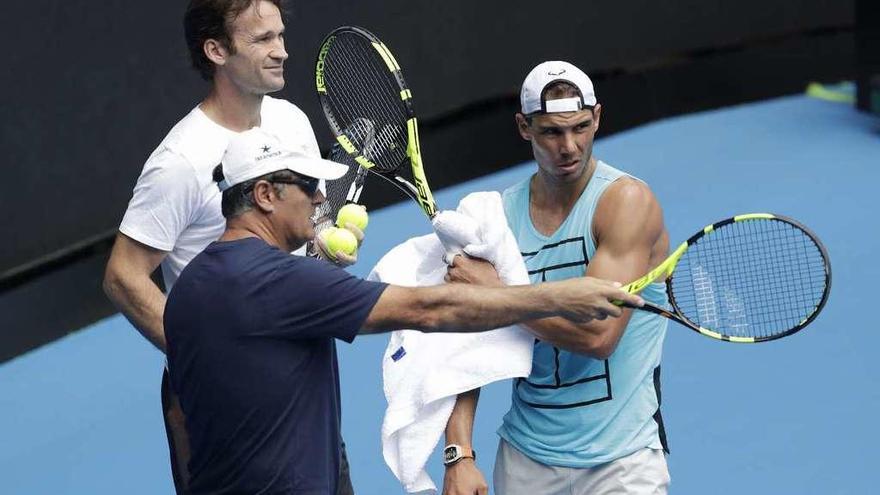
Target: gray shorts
[(643, 472)]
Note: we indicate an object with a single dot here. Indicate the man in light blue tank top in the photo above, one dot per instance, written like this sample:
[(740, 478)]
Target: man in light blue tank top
[(587, 419)]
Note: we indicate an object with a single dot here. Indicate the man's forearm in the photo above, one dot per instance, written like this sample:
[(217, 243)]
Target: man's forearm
[(454, 308), (460, 427), (463, 477), (465, 308), (596, 339), (142, 303)]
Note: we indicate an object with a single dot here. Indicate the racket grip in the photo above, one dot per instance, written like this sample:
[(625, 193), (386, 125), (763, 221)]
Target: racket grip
[(624, 304)]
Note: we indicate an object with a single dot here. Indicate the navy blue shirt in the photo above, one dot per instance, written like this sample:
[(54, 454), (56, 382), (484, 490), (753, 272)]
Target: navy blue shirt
[(251, 353)]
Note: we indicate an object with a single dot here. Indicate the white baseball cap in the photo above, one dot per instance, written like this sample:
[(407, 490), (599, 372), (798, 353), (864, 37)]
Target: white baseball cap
[(256, 152), (531, 97)]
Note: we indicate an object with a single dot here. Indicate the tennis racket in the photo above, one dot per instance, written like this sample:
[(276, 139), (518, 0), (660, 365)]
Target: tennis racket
[(749, 278), (369, 108)]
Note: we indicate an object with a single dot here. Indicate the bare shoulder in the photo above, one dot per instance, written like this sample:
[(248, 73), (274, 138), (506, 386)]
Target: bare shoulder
[(628, 211), (628, 193)]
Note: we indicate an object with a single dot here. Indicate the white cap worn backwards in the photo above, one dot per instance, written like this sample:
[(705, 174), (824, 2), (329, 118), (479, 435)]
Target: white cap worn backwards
[(256, 152), (532, 95)]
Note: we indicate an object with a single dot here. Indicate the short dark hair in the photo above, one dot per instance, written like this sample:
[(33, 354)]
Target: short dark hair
[(560, 89), (239, 198), (211, 19)]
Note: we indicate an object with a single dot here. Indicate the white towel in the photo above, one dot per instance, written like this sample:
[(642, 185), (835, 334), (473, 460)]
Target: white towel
[(423, 373)]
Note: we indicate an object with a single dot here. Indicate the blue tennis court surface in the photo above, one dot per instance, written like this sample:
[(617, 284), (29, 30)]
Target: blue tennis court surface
[(797, 416)]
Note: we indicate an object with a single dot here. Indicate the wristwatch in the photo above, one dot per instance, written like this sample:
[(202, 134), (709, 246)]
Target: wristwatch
[(454, 453)]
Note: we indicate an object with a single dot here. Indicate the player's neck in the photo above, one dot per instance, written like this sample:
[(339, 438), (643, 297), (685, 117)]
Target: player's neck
[(231, 108), (551, 200), (551, 193)]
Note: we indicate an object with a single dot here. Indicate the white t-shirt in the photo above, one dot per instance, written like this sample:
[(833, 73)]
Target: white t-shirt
[(175, 206)]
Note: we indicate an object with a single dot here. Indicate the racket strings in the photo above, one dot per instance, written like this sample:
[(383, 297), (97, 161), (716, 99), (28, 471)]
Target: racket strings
[(756, 278), (361, 87), (785, 284)]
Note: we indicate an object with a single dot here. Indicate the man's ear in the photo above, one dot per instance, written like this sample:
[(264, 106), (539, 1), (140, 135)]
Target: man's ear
[(522, 125), (215, 51), (597, 113), (264, 196)]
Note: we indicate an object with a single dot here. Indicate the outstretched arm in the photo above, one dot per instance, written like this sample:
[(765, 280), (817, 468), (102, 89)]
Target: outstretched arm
[(464, 308)]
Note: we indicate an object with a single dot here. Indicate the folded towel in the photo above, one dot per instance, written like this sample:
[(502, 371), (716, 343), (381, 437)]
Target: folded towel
[(423, 373)]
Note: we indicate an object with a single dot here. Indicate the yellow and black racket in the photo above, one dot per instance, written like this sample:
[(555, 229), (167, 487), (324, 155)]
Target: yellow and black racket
[(370, 109), (750, 278)]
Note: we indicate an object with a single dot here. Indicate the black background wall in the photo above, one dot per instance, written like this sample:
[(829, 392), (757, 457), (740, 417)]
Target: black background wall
[(91, 88)]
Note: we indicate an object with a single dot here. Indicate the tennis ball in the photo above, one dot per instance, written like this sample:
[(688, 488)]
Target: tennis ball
[(339, 240), (353, 214)]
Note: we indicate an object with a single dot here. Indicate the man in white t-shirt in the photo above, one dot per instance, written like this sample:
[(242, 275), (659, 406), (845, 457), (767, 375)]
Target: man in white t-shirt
[(174, 212)]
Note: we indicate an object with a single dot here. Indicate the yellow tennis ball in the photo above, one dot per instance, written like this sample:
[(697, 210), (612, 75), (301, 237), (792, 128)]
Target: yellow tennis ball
[(353, 214), (339, 240)]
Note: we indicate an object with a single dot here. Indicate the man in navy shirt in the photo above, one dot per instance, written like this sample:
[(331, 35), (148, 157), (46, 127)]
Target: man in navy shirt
[(251, 329)]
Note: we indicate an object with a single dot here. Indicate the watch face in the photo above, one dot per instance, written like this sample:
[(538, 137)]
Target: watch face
[(450, 454)]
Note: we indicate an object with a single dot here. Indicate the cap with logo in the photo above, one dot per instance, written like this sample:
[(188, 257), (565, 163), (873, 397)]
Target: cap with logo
[(256, 152), (532, 97)]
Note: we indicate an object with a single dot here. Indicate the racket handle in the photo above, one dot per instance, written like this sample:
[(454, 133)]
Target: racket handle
[(624, 304)]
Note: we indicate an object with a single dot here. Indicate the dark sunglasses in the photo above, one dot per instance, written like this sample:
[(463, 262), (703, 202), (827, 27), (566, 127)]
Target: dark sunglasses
[(309, 185)]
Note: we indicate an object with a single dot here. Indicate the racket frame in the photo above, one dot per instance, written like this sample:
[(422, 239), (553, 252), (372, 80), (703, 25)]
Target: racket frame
[(666, 270), (418, 190)]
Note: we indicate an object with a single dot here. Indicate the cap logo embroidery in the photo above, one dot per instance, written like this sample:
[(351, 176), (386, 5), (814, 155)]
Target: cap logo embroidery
[(266, 149), (551, 73)]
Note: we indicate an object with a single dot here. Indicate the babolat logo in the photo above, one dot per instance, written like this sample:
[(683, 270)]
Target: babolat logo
[(319, 67)]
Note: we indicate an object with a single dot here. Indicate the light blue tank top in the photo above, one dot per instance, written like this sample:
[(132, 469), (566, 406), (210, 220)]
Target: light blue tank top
[(573, 410)]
